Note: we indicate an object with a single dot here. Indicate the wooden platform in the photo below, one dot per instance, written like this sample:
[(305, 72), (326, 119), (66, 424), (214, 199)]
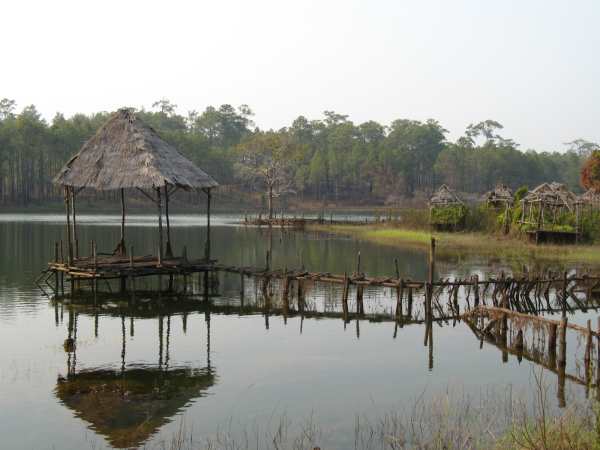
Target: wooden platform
[(553, 237), (114, 266)]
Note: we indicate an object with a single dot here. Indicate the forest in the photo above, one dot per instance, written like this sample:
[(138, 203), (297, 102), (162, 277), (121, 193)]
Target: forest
[(327, 159)]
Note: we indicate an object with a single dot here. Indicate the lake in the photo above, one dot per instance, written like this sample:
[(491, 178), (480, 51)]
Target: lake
[(133, 378)]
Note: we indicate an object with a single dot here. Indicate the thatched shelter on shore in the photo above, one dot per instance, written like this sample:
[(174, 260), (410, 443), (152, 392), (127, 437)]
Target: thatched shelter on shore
[(551, 212), (126, 153), (444, 196), (590, 198), (446, 210), (555, 195), (498, 197)]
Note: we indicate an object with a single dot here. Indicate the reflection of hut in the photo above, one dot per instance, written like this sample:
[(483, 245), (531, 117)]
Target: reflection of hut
[(498, 197), (127, 405), (550, 212), (446, 210)]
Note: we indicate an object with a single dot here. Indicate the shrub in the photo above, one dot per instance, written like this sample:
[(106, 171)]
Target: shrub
[(448, 215)]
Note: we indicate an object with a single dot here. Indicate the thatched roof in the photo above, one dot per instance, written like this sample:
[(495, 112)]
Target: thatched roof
[(444, 196), (501, 193), (590, 196), (553, 194), (127, 153)]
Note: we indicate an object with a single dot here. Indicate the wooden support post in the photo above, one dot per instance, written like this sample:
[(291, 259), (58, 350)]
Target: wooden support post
[(94, 280), (588, 352), (504, 337), (62, 274), (562, 362), (564, 295), (207, 245), (169, 250), (410, 303), (131, 276), (300, 296), (285, 294), (399, 295), (160, 227), (430, 344), (476, 289), (56, 278), (552, 332), (122, 248), (74, 233), (69, 237), (345, 296), (429, 286), (360, 308)]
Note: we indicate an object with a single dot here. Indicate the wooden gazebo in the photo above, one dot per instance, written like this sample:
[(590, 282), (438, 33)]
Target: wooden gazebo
[(127, 154)]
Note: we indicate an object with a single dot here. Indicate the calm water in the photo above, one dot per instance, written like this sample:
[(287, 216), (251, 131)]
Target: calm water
[(216, 369)]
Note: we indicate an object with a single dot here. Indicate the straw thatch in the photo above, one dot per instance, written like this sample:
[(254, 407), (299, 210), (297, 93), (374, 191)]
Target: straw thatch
[(590, 197), (444, 196), (552, 194), (500, 194), (127, 153)]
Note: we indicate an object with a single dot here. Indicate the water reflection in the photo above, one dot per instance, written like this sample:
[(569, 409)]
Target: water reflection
[(128, 404)]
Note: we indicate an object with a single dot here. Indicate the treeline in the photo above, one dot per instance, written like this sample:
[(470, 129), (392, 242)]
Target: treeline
[(327, 159)]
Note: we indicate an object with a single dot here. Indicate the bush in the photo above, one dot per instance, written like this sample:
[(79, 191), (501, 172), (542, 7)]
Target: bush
[(448, 215)]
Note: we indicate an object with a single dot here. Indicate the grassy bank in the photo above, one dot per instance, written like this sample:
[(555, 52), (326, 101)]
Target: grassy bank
[(449, 421), (467, 243)]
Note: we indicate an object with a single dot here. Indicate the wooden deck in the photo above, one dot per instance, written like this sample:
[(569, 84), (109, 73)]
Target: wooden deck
[(114, 266)]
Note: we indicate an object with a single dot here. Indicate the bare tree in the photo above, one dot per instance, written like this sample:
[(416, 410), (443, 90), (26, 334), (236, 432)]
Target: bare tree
[(265, 161)]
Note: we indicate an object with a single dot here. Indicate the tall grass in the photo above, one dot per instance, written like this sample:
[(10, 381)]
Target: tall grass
[(451, 421)]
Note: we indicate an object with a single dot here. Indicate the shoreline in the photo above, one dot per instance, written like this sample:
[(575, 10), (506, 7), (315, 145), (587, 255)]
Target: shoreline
[(465, 243)]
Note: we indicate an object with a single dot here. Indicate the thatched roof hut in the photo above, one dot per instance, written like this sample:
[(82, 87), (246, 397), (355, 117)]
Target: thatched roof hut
[(444, 196), (127, 153), (591, 197), (499, 195), (552, 194)]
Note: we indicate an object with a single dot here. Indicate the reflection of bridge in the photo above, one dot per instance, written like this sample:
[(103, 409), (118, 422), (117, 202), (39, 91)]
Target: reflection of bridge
[(537, 340), (129, 404)]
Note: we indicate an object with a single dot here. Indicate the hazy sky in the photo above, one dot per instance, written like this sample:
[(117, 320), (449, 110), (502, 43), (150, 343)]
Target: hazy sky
[(532, 65)]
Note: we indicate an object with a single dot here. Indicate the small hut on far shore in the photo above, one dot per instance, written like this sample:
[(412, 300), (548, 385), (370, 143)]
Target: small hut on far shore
[(550, 212), (498, 197), (590, 199), (446, 210)]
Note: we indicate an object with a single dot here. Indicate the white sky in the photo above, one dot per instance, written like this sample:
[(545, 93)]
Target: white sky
[(532, 65)]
